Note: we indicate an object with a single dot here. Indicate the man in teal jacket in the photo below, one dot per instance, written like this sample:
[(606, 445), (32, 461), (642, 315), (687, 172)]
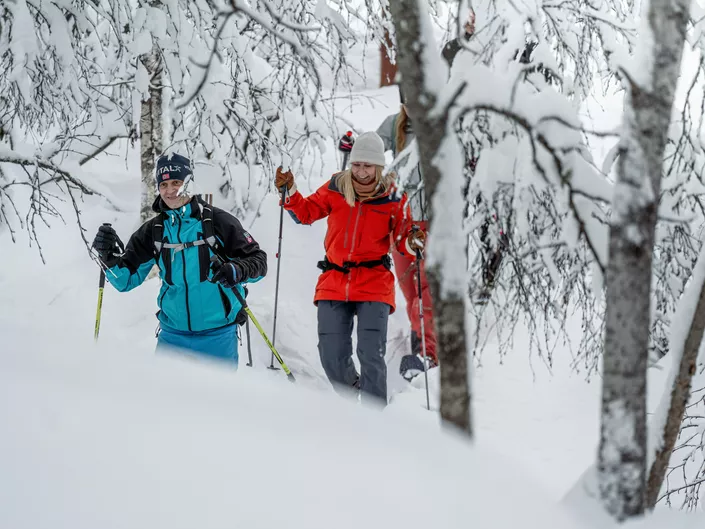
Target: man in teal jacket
[(198, 310)]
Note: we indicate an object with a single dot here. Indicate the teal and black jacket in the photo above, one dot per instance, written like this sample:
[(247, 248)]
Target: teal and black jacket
[(187, 300)]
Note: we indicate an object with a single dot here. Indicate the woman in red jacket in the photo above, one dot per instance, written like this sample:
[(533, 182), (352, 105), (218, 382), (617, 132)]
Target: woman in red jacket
[(363, 208)]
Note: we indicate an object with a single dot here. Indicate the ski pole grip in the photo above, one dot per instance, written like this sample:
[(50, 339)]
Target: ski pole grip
[(346, 142)]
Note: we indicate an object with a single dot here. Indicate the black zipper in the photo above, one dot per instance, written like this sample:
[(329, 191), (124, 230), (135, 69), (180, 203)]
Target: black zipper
[(183, 261)]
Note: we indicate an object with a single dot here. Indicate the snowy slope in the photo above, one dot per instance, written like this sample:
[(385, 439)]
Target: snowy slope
[(91, 438)]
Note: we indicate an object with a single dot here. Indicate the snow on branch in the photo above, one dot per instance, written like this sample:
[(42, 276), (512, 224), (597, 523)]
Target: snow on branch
[(43, 178), (564, 173)]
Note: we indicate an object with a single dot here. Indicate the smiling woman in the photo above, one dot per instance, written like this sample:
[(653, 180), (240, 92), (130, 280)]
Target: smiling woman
[(366, 215)]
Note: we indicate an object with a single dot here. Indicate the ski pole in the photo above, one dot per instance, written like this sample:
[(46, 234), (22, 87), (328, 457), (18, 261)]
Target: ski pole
[(345, 146), (101, 286), (244, 305), (99, 309), (208, 197), (419, 258), (276, 354), (279, 257), (249, 345)]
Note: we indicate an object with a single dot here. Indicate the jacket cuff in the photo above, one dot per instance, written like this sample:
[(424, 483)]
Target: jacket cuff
[(290, 193), (240, 272), (109, 260)]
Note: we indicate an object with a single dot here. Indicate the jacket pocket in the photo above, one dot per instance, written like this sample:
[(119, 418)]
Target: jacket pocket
[(161, 297), (227, 306), (375, 228)]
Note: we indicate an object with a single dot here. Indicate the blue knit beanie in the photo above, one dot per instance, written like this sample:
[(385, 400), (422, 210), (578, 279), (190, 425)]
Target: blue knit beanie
[(172, 167)]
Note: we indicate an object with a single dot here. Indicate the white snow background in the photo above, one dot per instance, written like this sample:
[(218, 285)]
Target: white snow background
[(110, 435)]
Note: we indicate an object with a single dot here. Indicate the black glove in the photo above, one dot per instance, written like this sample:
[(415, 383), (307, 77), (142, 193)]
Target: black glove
[(108, 244), (224, 273)]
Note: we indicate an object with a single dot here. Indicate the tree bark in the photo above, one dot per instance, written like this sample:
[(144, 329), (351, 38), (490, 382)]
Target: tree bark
[(388, 69), (430, 128), (647, 115), (151, 130), (686, 364)]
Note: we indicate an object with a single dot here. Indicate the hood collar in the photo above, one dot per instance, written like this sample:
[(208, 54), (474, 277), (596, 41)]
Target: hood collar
[(188, 209)]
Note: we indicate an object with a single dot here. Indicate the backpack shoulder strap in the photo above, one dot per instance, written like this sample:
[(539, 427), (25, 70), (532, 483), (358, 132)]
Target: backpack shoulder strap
[(208, 228), (210, 238), (207, 222), (158, 234)]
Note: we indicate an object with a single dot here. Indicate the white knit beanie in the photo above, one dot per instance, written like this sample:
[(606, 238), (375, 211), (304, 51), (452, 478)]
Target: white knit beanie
[(368, 148)]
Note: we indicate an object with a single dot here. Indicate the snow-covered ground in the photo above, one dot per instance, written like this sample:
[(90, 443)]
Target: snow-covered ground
[(95, 438)]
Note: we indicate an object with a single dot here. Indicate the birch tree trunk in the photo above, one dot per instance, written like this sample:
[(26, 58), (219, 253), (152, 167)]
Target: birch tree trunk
[(419, 64), (151, 130), (647, 116)]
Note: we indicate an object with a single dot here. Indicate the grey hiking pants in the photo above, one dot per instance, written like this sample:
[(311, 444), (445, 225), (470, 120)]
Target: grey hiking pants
[(335, 326)]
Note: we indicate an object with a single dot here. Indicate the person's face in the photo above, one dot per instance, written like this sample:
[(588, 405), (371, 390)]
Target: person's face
[(364, 172), (470, 24), (169, 191)]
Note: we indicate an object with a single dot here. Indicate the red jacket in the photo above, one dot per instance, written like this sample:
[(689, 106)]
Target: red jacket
[(356, 234)]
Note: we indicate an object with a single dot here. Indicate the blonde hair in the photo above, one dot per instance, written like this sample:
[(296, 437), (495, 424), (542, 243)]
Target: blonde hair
[(400, 132), (344, 181)]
